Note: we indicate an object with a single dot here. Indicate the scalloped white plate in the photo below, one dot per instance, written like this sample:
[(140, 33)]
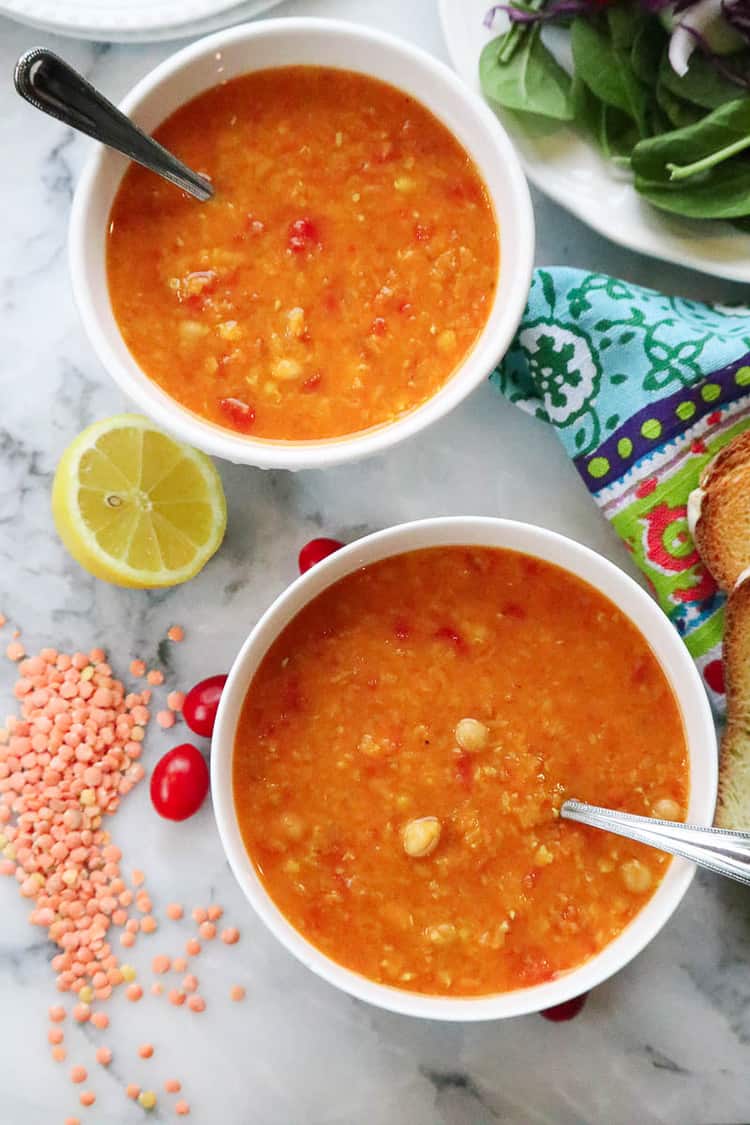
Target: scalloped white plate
[(570, 171), (132, 21)]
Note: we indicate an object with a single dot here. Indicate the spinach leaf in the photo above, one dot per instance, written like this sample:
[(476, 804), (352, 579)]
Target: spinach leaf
[(725, 194), (679, 113), (699, 170), (530, 80), (742, 222), (646, 51), (624, 21), (703, 84), (607, 71), (612, 130), (696, 149)]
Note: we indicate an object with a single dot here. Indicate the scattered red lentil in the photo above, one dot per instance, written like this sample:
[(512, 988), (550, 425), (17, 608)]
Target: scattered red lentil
[(65, 764), (165, 719), (127, 939), (230, 936), (176, 633), (181, 1108), (69, 762), (132, 1090), (157, 988), (72, 1121), (237, 992), (146, 1050), (172, 1086)]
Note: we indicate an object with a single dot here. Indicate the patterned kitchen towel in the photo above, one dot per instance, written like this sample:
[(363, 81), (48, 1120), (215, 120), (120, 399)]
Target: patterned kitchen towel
[(643, 391)]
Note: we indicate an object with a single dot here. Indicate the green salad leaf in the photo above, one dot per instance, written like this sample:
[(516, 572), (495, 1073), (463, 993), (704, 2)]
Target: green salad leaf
[(607, 71), (700, 170), (646, 51), (613, 131), (678, 112), (530, 80), (686, 138), (703, 84)]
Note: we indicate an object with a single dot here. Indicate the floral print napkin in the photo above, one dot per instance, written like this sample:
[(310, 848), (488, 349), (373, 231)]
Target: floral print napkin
[(643, 390)]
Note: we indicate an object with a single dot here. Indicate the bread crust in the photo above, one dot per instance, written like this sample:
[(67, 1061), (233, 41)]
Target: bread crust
[(733, 806), (722, 529)]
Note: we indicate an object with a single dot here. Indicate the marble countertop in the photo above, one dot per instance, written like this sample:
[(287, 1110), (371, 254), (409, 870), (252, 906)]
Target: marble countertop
[(666, 1040)]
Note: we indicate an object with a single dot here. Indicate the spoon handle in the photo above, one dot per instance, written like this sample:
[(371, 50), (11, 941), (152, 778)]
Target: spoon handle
[(51, 85), (721, 850)]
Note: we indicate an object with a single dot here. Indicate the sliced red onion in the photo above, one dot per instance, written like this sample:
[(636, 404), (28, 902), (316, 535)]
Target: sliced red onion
[(702, 23)]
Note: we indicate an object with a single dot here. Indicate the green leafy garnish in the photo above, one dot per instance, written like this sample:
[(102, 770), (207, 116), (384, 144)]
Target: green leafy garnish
[(692, 171), (686, 138), (528, 78)]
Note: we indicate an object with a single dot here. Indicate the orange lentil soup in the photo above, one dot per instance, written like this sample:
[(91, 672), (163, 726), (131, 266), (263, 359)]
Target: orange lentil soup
[(403, 752), (343, 270)]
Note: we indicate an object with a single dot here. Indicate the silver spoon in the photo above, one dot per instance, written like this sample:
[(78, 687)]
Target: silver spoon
[(51, 85), (721, 850)]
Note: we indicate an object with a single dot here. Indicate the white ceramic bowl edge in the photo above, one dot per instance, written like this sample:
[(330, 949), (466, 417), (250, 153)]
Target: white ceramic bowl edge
[(292, 41), (614, 584)]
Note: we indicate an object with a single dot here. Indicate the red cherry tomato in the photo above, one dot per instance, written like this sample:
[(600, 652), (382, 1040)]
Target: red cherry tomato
[(315, 551), (201, 704), (568, 1010), (238, 413), (179, 783), (303, 235)]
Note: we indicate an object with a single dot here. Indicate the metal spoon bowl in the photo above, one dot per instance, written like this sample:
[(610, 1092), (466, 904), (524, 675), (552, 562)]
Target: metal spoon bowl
[(50, 84), (721, 850)]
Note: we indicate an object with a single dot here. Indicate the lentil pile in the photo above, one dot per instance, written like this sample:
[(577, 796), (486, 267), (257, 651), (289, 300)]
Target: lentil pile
[(65, 764)]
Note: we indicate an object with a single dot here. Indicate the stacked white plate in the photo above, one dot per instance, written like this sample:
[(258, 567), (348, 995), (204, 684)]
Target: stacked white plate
[(132, 21)]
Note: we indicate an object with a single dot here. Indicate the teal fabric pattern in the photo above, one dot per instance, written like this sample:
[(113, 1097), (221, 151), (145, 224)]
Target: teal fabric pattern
[(643, 389)]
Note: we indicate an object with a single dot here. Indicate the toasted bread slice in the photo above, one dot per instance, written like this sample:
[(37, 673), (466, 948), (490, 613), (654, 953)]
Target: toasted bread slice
[(733, 808), (720, 511)]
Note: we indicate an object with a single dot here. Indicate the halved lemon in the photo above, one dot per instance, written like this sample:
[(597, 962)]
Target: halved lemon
[(136, 508)]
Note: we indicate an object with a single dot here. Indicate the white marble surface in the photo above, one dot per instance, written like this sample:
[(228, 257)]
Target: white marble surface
[(665, 1041)]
